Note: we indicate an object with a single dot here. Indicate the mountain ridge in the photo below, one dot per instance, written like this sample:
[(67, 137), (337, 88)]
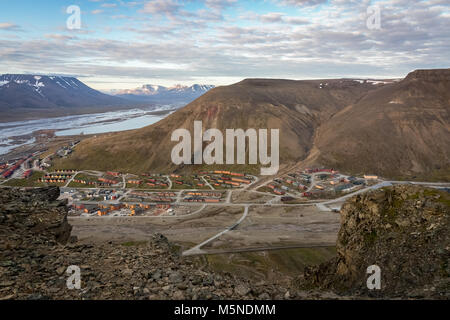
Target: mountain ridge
[(296, 107), (26, 96), (354, 126), (398, 129), (161, 94)]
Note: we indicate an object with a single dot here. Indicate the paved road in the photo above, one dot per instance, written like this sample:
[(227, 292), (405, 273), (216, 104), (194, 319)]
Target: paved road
[(197, 249), (207, 183), (229, 195), (71, 179), (321, 205)]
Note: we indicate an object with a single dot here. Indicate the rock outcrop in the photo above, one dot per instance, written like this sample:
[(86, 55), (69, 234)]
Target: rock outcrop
[(32, 216), (405, 230)]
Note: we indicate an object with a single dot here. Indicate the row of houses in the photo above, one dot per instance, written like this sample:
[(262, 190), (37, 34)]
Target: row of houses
[(27, 174), (55, 178), (58, 176), (108, 181), (106, 209), (147, 194), (8, 172), (52, 180), (201, 199), (229, 173), (81, 181), (204, 194), (276, 190), (317, 170), (228, 181), (158, 184), (65, 171), (198, 181), (150, 183)]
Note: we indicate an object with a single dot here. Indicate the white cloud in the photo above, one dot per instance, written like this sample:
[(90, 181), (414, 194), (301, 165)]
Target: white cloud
[(9, 26), (208, 43)]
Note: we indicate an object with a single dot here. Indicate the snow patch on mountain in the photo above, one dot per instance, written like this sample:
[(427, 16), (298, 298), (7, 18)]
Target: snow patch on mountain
[(150, 89)]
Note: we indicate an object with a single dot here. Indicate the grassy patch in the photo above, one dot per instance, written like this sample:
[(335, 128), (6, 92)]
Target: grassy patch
[(31, 181), (440, 196), (258, 265), (85, 177)]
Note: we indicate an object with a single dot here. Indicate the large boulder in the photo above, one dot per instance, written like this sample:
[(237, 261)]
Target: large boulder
[(33, 214), (404, 230)]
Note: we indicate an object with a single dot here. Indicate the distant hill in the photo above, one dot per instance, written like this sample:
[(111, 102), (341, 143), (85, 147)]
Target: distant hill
[(396, 130), (36, 96), (158, 94), (390, 128), (297, 108)]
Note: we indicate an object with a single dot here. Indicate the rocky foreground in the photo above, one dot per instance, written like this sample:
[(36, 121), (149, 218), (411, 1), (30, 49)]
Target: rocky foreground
[(404, 230), (36, 249)]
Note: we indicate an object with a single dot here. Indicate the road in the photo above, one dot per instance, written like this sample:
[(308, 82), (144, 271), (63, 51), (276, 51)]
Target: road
[(198, 248), (71, 178), (207, 183), (322, 205), (229, 195)]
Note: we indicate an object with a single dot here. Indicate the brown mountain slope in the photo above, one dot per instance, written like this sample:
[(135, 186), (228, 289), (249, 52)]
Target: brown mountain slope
[(297, 108), (399, 130)]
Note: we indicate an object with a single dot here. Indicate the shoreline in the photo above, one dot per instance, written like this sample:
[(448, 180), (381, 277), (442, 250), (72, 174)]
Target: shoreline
[(41, 139)]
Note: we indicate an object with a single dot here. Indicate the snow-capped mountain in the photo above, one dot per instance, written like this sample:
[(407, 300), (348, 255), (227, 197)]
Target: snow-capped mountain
[(40, 95), (161, 94)]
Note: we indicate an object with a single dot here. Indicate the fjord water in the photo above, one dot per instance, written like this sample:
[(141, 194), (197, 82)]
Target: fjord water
[(77, 124)]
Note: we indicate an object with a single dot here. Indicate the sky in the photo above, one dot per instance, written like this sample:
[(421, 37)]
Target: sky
[(124, 44)]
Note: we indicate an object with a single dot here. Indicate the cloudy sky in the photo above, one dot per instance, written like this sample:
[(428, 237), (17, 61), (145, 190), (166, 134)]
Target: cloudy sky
[(124, 44)]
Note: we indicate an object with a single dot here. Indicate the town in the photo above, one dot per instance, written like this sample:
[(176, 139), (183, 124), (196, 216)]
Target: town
[(95, 193), (232, 210)]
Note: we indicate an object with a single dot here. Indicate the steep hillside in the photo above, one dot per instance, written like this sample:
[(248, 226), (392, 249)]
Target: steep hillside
[(399, 130), (30, 96), (297, 108)]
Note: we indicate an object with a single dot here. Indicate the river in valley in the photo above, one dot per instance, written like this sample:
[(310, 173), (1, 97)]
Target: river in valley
[(19, 133)]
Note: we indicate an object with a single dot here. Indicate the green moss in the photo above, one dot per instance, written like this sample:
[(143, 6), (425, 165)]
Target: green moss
[(440, 196), (370, 237), (393, 207)]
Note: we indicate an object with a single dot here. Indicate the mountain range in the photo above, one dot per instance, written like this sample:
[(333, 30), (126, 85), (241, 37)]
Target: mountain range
[(392, 128), (24, 97), (159, 94)]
